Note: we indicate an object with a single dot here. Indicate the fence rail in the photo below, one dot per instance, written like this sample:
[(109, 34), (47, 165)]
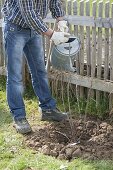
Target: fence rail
[(93, 24), (86, 21)]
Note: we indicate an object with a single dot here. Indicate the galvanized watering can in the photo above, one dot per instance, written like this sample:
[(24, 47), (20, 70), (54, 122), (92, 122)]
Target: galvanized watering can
[(64, 55)]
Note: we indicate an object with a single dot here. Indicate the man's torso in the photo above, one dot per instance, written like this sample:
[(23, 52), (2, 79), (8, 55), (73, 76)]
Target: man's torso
[(12, 12)]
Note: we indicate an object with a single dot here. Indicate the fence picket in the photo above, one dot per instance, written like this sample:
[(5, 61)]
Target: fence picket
[(81, 58), (111, 63), (99, 54), (69, 11), (93, 52), (106, 56), (77, 63), (75, 12), (93, 46), (64, 5), (88, 49), (106, 44)]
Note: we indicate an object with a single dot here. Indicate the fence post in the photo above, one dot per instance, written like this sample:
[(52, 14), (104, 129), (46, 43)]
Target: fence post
[(88, 48)]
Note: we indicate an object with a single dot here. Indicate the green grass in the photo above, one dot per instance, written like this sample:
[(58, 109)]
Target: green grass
[(15, 155), (69, 102)]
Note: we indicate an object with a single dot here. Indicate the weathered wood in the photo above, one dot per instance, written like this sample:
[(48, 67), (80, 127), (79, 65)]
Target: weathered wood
[(99, 53), (111, 56), (106, 44), (93, 47), (1, 21), (81, 58), (93, 52), (64, 4), (85, 81), (88, 48), (85, 21), (106, 56), (75, 12), (69, 11), (111, 64), (77, 63), (82, 21), (3, 71)]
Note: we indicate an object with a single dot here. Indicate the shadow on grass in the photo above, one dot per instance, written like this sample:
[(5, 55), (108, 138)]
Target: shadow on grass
[(2, 83), (5, 117), (29, 92)]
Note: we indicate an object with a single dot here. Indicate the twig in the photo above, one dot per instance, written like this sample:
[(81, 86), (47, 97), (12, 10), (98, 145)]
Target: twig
[(77, 98), (62, 87), (63, 135), (70, 116), (89, 94)]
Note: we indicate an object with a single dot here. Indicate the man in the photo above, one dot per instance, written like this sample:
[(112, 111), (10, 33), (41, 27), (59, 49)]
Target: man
[(22, 33)]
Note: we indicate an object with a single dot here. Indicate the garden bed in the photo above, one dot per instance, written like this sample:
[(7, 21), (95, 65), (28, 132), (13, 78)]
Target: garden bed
[(91, 139)]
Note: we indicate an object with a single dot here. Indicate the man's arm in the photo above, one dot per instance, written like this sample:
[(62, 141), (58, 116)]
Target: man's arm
[(35, 22), (55, 7), (33, 19)]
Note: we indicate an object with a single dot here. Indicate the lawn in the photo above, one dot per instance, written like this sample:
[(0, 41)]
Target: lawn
[(15, 155)]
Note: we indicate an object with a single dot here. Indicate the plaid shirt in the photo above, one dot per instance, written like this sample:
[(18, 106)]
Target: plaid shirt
[(30, 13)]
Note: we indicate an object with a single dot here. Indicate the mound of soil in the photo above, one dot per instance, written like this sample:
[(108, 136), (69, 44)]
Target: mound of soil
[(90, 139)]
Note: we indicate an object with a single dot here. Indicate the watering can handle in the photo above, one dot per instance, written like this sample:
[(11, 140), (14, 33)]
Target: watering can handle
[(50, 50)]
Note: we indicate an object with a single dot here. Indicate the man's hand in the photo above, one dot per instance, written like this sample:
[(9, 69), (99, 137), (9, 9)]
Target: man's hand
[(60, 37), (62, 26)]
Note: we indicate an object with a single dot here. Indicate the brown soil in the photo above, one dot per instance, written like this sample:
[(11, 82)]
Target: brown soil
[(90, 139)]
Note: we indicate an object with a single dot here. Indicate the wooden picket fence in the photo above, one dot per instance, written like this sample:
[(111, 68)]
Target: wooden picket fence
[(93, 24)]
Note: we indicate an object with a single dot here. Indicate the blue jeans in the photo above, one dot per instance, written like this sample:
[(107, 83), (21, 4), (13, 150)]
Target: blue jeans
[(19, 40)]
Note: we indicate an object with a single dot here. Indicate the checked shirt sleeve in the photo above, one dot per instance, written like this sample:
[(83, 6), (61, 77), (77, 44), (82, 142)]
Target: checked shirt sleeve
[(32, 19), (4, 9), (55, 7)]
